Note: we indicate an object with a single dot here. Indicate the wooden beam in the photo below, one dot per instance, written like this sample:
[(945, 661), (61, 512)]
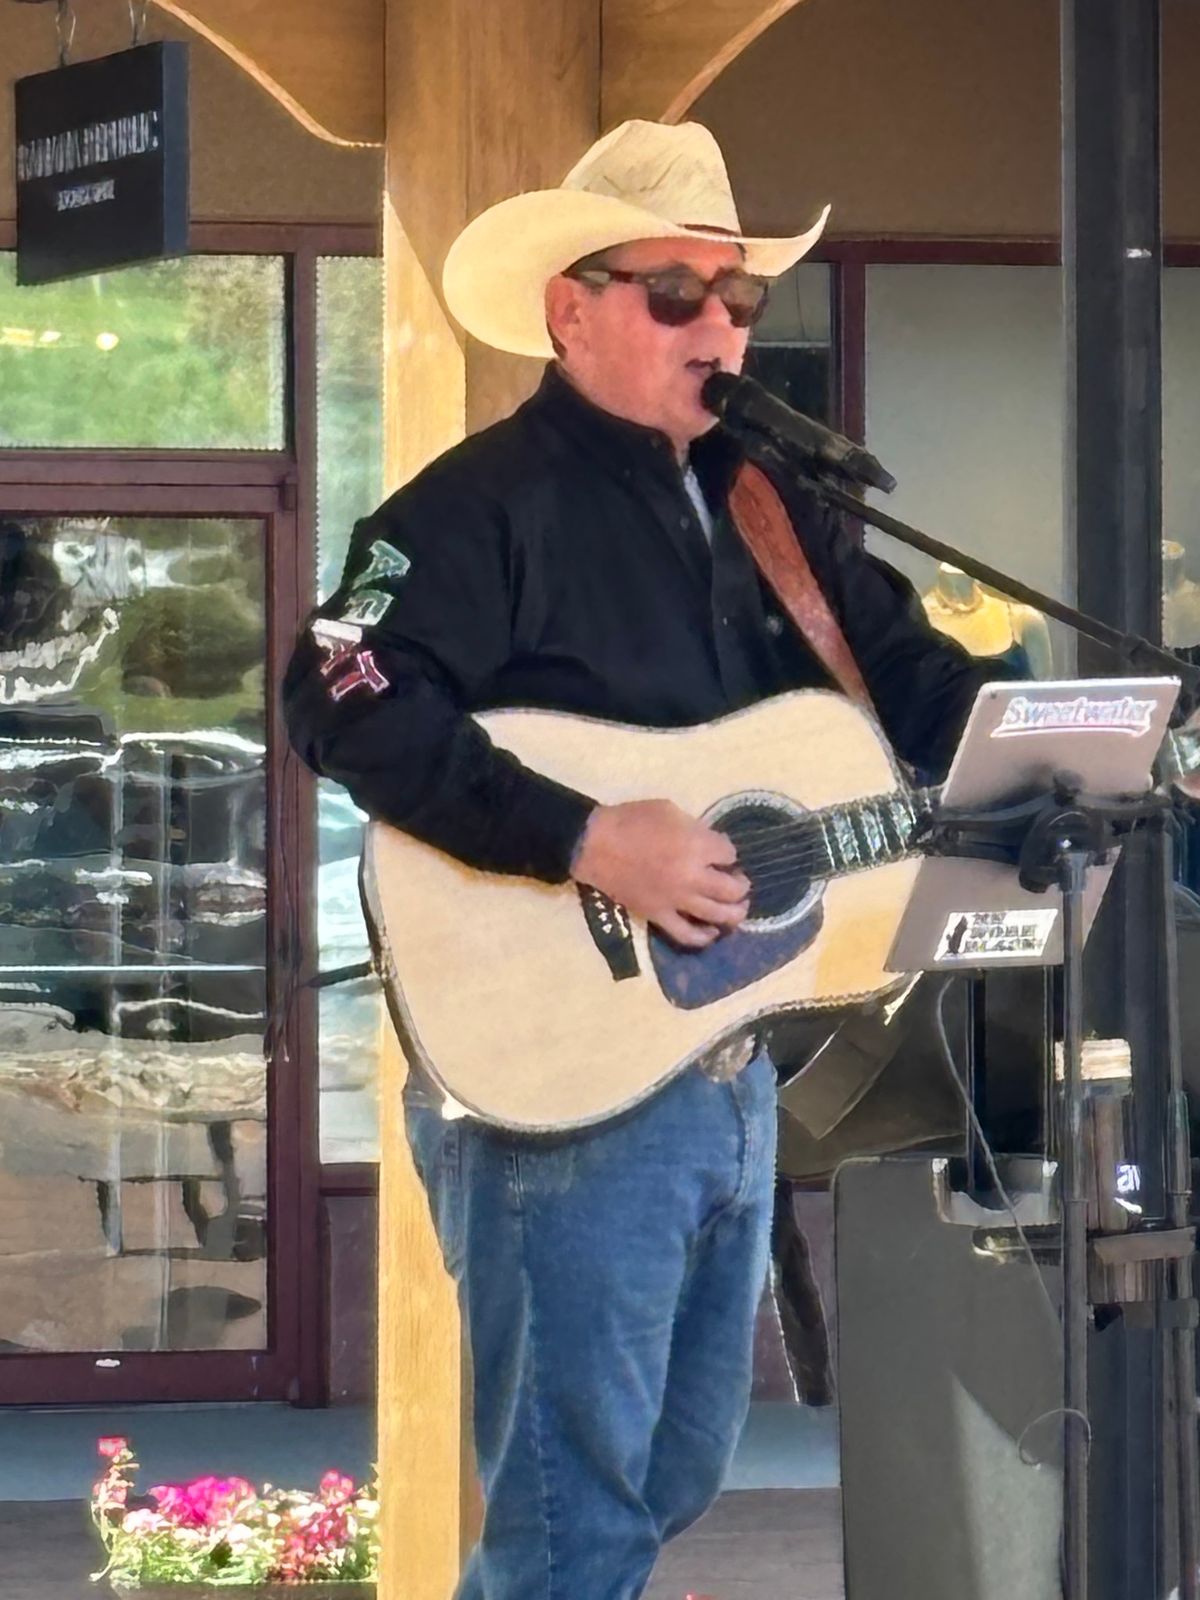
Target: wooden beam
[(483, 100), (660, 55), (322, 62)]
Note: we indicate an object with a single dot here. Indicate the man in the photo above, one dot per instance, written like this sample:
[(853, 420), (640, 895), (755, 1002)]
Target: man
[(580, 556)]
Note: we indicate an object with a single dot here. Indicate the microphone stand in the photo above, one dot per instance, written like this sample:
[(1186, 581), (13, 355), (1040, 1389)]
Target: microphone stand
[(1062, 835), (1138, 651)]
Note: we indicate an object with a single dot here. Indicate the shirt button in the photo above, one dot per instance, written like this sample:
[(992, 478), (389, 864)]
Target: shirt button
[(774, 624), (683, 522)]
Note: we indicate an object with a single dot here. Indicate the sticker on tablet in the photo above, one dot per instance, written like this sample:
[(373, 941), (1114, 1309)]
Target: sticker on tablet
[(1120, 714), (987, 935)]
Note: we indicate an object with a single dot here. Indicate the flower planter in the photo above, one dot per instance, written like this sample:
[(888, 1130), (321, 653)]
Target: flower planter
[(246, 1591), (211, 1528)]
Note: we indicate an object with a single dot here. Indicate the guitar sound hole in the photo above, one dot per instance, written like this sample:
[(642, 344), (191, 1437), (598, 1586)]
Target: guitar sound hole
[(776, 850)]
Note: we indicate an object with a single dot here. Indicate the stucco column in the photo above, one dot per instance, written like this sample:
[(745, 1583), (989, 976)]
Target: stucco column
[(482, 100)]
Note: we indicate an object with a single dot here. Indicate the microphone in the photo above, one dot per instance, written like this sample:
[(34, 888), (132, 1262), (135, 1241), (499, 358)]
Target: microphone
[(752, 413)]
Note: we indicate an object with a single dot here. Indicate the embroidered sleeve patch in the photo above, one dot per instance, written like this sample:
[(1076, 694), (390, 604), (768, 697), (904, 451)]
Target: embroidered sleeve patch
[(368, 607), (332, 635), (386, 562), (348, 670), (346, 667)]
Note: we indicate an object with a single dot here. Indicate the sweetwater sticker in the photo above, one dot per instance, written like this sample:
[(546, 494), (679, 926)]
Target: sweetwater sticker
[(1119, 714), (978, 935)]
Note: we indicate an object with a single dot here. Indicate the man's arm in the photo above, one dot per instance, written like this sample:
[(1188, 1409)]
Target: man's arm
[(374, 698), (376, 690)]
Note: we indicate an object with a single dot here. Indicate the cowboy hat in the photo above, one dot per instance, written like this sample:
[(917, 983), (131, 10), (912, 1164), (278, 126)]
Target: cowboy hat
[(644, 180)]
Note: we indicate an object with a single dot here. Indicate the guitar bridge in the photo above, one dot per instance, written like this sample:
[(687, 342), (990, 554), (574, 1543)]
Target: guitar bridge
[(611, 931)]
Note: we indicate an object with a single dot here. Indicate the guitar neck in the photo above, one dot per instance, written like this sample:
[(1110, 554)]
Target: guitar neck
[(869, 832)]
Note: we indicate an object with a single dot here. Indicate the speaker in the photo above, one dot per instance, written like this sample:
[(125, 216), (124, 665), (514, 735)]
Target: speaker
[(947, 1358)]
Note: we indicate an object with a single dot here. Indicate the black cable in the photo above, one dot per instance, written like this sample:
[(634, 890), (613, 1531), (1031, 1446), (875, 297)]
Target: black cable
[(1010, 1207)]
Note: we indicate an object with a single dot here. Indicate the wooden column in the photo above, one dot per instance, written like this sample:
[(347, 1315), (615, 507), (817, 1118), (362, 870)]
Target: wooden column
[(483, 100)]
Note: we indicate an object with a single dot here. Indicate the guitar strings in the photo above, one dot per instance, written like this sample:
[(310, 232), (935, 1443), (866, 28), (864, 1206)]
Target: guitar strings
[(813, 854), (913, 804), (820, 864), (814, 830), (773, 867), (792, 825), (813, 846), (853, 806)]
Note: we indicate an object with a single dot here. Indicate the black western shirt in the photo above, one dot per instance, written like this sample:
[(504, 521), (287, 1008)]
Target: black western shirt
[(556, 560)]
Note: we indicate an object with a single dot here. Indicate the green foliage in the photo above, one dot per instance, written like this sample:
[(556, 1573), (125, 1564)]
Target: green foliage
[(198, 362), (350, 405)]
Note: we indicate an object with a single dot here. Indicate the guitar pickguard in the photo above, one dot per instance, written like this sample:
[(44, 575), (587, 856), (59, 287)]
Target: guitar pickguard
[(692, 978)]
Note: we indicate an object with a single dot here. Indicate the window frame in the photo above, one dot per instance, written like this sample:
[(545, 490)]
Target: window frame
[(280, 488)]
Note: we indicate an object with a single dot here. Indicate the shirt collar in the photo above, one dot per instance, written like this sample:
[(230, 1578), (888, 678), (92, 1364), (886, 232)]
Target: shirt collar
[(629, 447)]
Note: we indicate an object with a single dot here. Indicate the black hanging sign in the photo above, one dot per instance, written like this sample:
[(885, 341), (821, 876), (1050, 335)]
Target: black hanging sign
[(102, 163)]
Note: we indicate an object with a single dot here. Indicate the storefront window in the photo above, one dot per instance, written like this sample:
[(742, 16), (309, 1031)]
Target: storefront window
[(1181, 466), (182, 355), (133, 1089), (791, 349), (349, 485), (965, 400)]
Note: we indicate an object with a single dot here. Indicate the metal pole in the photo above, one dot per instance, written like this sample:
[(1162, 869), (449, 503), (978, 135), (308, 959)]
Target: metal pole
[(1182, 1337), (1112, 287), (1076, 1312)]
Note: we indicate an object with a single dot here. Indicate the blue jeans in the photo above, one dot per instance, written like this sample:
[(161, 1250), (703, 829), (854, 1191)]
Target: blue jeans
[(608, 1284)]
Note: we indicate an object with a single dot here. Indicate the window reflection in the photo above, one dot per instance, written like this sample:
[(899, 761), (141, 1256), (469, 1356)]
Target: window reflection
[(132, 935), (349, 485)]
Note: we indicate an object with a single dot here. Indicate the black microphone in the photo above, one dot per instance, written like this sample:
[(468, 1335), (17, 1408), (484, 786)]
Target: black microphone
[(749, 411)]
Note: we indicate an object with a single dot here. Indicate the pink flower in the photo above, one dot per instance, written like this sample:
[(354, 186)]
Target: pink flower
[(112, 1446), (144, 1521), (204, 1503), (219, 1498), (173, 1503), (337, 1486)]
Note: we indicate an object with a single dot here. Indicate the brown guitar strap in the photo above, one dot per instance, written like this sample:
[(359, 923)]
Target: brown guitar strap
[(766, 529)]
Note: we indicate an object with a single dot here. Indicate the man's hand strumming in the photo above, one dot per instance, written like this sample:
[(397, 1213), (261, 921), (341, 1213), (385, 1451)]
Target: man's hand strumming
[(661, 864)]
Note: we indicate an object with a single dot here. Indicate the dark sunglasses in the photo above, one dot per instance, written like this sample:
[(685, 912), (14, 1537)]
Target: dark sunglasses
[(676, 295)]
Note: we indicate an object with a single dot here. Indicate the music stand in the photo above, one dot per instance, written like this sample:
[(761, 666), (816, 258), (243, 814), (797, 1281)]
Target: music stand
[(1018, 851)]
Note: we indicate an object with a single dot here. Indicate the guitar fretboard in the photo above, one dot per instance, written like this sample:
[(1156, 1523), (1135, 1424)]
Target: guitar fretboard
[(865, 833)]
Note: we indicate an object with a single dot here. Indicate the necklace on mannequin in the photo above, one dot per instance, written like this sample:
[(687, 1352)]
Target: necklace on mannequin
[(955, 591), (986, 624)]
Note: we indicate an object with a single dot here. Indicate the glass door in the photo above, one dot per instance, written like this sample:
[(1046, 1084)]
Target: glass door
[(152, 1169)]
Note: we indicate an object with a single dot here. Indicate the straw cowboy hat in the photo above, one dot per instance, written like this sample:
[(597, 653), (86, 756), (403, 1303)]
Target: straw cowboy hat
[(644, 180)]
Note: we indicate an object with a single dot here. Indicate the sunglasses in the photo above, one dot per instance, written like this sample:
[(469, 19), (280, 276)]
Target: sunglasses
[(676, 296)]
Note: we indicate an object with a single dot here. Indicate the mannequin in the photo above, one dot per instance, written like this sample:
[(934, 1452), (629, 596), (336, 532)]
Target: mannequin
[(1181, 599), (988, 625)]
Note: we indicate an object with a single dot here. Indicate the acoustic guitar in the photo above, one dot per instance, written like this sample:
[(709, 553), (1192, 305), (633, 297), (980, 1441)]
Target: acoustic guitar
[(545, 1007)]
